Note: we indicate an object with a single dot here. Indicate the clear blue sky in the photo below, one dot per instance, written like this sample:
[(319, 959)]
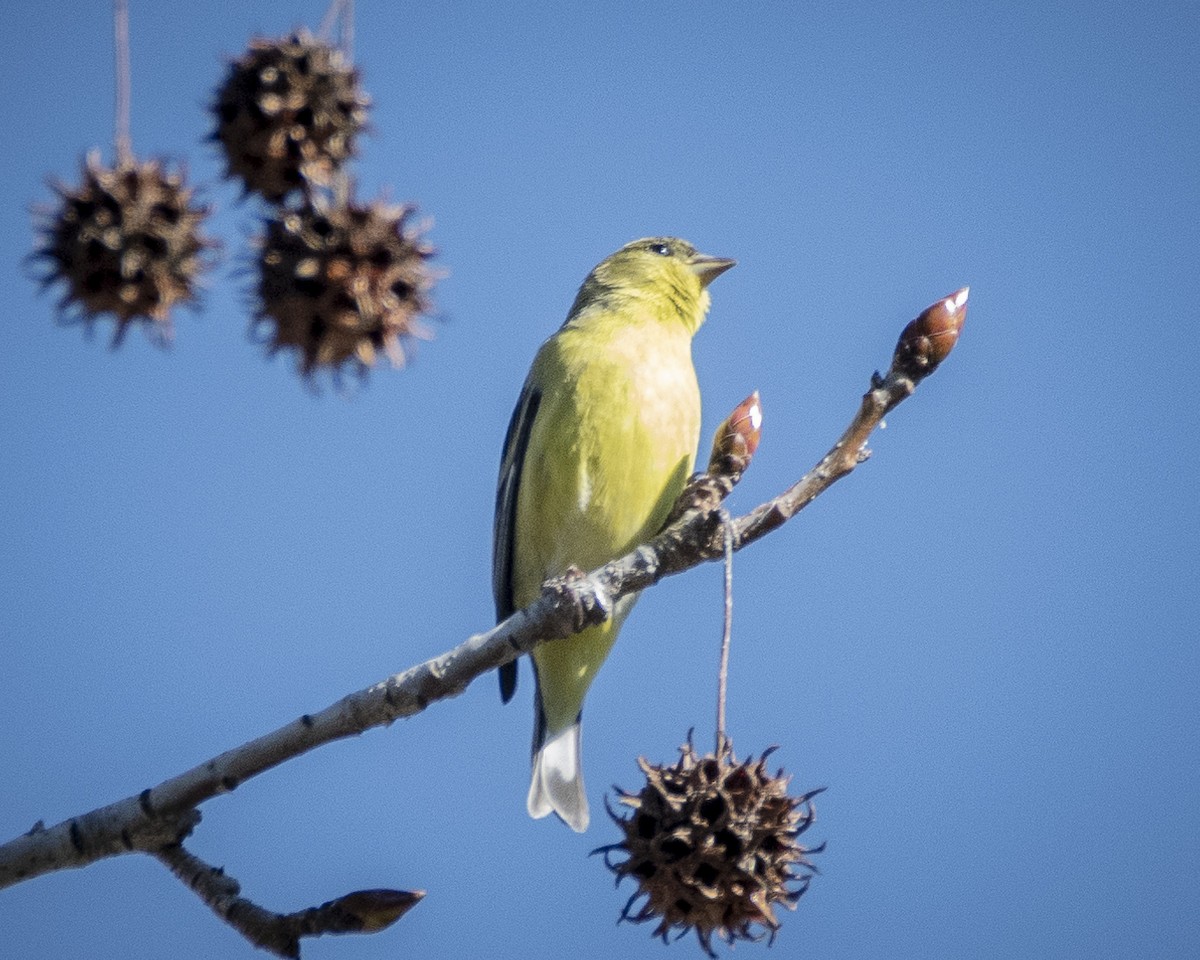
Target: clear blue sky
[(984, 642)]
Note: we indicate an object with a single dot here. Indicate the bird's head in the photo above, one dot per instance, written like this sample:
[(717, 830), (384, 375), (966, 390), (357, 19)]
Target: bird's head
[(665, 271)]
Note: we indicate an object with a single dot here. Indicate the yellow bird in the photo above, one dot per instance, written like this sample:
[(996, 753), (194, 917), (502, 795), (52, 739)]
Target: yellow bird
[(601, 443)]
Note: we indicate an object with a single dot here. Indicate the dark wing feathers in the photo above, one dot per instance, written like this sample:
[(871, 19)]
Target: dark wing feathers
[(516, 441)]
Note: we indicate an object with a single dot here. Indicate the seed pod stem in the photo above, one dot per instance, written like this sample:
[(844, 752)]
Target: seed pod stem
[(121, 139), (726, 633)]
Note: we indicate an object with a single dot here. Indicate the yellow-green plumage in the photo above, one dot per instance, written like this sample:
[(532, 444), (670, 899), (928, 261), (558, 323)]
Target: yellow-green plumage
[(602, 440)]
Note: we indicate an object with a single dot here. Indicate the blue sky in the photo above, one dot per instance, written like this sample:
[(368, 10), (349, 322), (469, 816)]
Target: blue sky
[(983, 642)]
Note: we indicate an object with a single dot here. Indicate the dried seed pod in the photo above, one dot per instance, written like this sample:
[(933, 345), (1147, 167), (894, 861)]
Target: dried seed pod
[(125, 242), (343, 282), (711, 844), (287, 115)]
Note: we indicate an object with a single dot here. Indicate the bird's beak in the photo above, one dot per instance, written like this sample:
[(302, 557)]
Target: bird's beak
[(709, 268)]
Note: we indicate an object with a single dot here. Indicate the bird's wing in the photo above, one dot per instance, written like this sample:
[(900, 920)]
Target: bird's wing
[(516, 441)]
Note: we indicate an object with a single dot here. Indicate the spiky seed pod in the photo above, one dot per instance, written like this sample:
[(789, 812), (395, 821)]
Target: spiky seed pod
[(711, 844), (342, 283), (287, 114), (125, 242)]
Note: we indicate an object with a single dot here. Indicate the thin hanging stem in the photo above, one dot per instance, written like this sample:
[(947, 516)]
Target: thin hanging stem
[(121, 141), (348, 30), (327, 21), (340, 12), (726, 633)]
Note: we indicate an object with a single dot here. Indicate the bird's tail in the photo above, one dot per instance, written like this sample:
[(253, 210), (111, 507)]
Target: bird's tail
[(557, 782)]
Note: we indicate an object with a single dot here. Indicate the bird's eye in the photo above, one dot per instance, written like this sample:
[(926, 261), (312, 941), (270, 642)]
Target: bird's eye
[(662, 249)]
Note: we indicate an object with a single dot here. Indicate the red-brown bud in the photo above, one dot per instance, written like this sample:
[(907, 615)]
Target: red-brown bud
[(371, 910), (737, 437), (928, 340)]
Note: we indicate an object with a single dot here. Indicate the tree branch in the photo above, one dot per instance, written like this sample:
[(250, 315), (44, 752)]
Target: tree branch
[(157, 820), (364, 911)]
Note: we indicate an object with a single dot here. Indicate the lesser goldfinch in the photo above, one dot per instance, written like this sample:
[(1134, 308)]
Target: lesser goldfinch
[(600, 445)]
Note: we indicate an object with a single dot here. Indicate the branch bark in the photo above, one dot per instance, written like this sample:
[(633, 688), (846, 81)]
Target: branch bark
[(364, 911), (159, 818)]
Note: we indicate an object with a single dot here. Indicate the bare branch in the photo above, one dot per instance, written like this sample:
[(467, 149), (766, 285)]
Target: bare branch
[(364, 911), (159, 818), (923, 344)]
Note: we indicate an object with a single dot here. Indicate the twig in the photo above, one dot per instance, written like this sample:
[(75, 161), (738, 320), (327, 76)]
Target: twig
[(924, 344), (156, 820), (364, 911)]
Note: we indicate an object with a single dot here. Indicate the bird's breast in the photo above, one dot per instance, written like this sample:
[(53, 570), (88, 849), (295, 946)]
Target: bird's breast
[(618, 442)]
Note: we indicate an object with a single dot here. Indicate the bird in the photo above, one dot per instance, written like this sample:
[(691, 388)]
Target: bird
[(601, 443)]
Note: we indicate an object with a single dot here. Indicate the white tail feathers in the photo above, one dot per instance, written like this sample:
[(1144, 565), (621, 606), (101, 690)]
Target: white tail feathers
[(557, 782)]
